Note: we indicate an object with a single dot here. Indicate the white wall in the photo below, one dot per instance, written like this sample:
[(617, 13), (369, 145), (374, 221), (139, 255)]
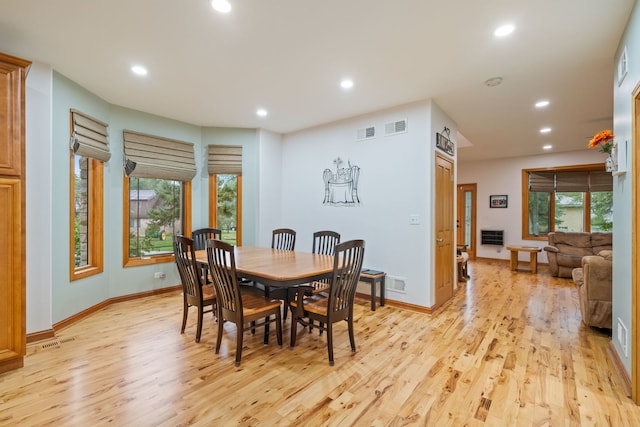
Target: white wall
[(396, 181), (270, 172), (622, 186), (51, 297), (38, 197), (504, 176)]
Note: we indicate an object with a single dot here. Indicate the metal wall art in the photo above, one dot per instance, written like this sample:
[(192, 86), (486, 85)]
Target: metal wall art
[(341, 186), (444, 143)]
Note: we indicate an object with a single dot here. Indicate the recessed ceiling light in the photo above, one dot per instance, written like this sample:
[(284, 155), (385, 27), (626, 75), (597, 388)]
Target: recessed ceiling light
[(545, 130), (346, 84), (504, 30), (541, 104), (139, 70), (547, 147), (262, 112), (222, 6)]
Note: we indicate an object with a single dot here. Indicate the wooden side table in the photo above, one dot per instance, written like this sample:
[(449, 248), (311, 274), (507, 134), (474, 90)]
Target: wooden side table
[(533, 254), (373, 277)]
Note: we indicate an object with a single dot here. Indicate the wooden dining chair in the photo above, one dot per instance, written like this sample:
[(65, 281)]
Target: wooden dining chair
[(283, 238), (194, 292), (244, 309), (347, 266), (201, 235), (324, 243)]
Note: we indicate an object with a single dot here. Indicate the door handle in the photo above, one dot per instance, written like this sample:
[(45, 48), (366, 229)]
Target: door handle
[(439, 240)]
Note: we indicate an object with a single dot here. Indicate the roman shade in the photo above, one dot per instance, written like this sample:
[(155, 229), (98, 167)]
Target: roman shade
[(90, 137), (542, 181), (572, 182), (148, 156), (224, 159), (575, 181), (600, 181)]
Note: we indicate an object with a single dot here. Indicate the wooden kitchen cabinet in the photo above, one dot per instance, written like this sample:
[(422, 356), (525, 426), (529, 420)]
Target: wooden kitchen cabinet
[(13, 332)]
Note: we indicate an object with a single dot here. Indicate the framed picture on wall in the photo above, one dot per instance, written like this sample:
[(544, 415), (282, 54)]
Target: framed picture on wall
[(498, 201)]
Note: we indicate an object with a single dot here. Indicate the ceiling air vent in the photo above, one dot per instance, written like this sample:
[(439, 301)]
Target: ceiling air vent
[(396, 127), (366, 133)]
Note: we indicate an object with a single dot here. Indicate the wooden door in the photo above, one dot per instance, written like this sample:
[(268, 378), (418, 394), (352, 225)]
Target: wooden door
[(635, 251), (13, 334), (444, 229), (466, 218)]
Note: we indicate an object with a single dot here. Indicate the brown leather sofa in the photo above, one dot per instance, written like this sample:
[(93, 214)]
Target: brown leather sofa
[(594, 281), (566, 249)]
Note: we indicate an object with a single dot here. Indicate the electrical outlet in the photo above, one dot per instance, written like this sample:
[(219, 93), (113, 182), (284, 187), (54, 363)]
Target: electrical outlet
[(159, 275), (622, 337), (414, 219)]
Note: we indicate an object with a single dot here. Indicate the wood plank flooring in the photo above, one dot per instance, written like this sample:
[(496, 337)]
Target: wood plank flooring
[(508, 350)]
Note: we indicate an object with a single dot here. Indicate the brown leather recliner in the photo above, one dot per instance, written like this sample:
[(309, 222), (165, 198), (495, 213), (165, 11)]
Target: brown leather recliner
[(594, 281), (566, 249)]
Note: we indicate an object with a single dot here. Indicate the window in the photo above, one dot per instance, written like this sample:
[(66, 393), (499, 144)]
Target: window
[(87, 217), (157, 211), (225, 191), (225, 206), (157, 196), (89, 149), (574, 198)]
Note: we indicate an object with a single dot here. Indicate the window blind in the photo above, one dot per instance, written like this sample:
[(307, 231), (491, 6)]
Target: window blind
[(90, 137), (542, 181), (148, 156), (224, 159), (601, 181), (579, 181), (572, 182)]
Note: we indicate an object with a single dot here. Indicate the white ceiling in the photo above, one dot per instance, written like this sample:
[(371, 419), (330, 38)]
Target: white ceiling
[(288, 56)]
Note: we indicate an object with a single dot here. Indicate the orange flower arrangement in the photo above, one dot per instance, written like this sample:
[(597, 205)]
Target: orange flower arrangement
[(603, 139)]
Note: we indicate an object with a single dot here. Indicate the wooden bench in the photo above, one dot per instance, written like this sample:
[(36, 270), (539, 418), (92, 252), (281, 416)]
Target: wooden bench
[(373, 277)]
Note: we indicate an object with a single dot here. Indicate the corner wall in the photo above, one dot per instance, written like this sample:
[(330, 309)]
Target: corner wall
[(395, 182), (39, 197), (622, 187)]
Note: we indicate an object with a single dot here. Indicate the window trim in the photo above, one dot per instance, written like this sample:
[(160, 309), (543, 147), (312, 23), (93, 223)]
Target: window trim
[(128, 261), (95, 263), (213, 205), (552, 207)]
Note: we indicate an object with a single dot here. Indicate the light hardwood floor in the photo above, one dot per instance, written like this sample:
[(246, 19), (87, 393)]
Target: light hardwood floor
[(508, 350)]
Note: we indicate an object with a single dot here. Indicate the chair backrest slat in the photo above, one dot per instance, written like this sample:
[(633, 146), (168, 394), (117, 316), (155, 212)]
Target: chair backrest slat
[(283, 238), (201, 235), (324, 242)]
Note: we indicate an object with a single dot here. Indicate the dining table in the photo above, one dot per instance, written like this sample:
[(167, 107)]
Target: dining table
[(276, 267)]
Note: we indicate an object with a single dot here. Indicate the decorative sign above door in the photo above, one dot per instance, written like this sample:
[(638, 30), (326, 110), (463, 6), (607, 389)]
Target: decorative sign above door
[(444, 143)]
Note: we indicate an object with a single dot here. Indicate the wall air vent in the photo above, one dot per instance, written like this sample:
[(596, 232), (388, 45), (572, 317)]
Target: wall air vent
[(623, 66), (366, 133), (393, 128)]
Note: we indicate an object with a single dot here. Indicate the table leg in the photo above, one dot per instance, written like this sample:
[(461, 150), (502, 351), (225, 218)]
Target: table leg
[(373, 294), (382, 292), (534, 262), (514, 260)]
